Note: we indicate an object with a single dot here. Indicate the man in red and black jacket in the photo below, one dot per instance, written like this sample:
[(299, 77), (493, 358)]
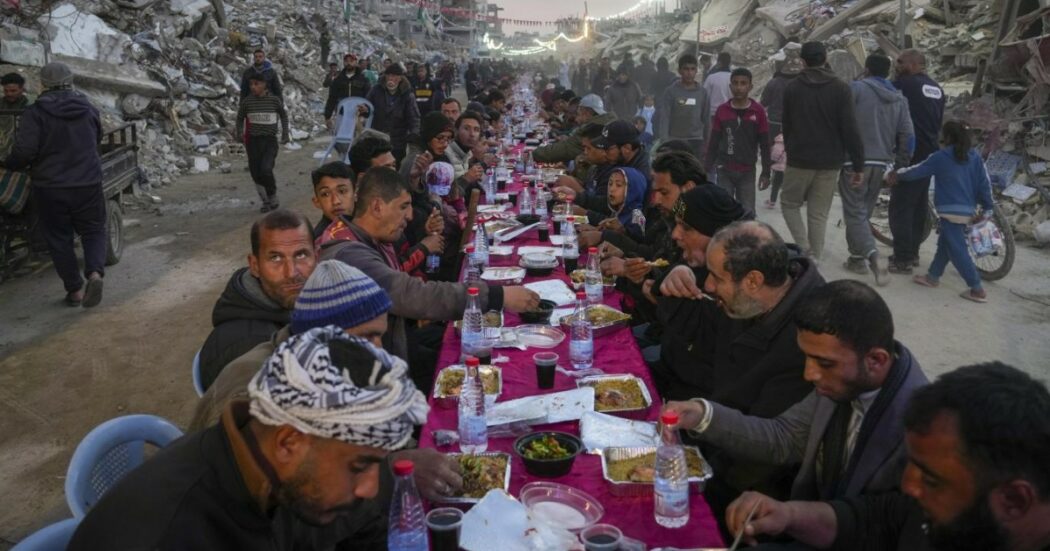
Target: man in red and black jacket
[(739, 134)]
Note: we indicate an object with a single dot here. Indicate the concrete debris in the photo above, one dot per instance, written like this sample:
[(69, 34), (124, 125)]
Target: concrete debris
[(173, 67)]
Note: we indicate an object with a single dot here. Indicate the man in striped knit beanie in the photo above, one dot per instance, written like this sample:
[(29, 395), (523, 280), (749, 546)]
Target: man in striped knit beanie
[(261, 110)]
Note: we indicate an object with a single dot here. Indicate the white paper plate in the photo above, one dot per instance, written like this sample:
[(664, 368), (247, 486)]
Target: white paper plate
[(569, 405)]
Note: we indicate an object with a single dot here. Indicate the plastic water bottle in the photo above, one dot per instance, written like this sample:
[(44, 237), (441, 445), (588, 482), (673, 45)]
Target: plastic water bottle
[(581, 337), (407, 529), (473, 432), (481, 245), (570, 243), (472, 333), (539, 204), (486, 187), (671, 484), (525, 201), (592, 282), (473, 272)]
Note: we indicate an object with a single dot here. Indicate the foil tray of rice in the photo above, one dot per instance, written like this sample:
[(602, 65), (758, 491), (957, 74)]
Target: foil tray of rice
[(604, 319), (481, 472), (449, 383), (630, 471), (618, 394)]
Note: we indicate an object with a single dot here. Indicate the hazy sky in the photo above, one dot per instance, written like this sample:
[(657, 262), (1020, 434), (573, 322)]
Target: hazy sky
[(553, 9)]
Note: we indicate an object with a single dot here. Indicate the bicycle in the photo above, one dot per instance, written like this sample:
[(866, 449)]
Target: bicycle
[(992, 267)]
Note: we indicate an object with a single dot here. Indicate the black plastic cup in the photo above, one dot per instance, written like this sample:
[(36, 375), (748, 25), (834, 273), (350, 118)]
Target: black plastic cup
[(444, 525), (557, 226), (570, 264), (545, 234), (484, 360), (546, 363), (501, 185), (513, 197)]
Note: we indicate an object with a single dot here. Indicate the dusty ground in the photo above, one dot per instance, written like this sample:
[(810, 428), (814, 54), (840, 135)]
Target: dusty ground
[(64, 371)]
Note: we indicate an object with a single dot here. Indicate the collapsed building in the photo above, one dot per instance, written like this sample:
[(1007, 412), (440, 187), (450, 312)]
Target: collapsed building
[(173, 67)]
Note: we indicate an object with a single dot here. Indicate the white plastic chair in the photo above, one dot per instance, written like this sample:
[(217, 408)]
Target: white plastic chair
[(53, 537), (346, 126)]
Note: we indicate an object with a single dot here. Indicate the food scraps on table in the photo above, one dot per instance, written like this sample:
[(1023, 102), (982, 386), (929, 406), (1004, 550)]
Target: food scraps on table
[(450, 381), (482, 473), (641, 468), (617, 394)]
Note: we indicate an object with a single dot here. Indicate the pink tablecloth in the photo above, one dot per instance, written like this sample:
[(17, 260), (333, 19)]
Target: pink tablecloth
[(613, 353)]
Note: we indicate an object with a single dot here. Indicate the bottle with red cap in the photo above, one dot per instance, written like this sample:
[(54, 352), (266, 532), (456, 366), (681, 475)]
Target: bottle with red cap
[(473, 272), (473, 341), (473, 430), (671, 481), (407, 528)]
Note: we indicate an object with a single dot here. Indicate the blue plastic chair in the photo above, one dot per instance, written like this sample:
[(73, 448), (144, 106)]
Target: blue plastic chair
[(346, 127), (110, 451), (54, 537), (197, 385)]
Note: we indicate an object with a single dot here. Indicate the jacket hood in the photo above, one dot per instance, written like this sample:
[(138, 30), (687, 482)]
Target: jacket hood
[(884, 90), (266, 66), (244, 298), (403, 87), (817, 76), (64, 104), (635, 199)]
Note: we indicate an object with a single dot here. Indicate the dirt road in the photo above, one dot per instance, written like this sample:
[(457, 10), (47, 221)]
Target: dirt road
[(64, 371)]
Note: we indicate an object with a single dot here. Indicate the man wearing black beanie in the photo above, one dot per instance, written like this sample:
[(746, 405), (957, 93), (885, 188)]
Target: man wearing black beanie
[(396, 113)]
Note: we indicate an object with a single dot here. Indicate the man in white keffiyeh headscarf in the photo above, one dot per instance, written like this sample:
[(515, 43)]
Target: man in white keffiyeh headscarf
[(332, 385), (326, 408)]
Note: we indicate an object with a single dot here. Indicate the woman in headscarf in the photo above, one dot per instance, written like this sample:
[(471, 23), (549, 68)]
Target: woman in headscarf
[(626, 200)]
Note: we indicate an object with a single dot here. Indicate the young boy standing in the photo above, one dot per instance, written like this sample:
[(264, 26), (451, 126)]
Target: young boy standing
[(262, 110), (739, 134)]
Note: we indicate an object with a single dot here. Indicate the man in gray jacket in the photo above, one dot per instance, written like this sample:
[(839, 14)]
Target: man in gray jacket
[(381, 214), (847, 434), (886, 130), (683, 111)]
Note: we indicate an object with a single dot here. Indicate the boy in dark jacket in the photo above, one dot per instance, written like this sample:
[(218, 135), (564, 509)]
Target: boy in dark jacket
[(739, 128)]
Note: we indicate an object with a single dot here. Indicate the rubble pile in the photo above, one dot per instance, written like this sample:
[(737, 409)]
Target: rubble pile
[(174, 67), (994, 67)]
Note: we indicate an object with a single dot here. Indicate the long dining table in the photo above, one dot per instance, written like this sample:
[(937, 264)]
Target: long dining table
[(614, 353)]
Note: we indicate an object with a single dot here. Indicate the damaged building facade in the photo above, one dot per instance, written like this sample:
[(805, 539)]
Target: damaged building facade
[(173, 67)]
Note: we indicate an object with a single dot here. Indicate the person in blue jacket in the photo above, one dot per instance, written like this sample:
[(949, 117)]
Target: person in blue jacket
[(626, 195), (961, 184)]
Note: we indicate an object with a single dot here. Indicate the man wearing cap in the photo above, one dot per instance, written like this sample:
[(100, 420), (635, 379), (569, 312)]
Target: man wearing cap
[(396, 113), (697, 215), (350, 82), (590, 110), (57, 139), (683, 111), (623, 97), (619, 140), (820, 130), (297, 466)]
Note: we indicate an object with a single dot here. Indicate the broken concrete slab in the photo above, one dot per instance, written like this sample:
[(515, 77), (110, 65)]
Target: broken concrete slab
[(124, 79), (840, 20), (719, 21), (21, 46), (75, 33)]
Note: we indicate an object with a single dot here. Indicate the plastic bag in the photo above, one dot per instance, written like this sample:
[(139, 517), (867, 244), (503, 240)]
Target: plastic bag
[(985, 238)]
